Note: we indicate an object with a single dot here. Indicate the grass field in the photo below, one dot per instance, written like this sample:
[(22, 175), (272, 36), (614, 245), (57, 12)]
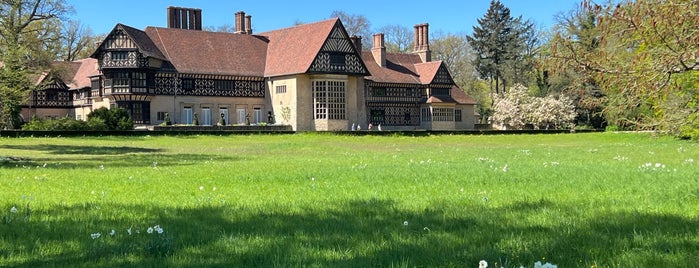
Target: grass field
[(323, 200)]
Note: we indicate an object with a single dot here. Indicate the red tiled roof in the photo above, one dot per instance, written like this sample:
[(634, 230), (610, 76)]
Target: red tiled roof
[(203, 52), (460, 96), (81, 79), (428, 70), (71, 74), (292, 50), (400, 68)]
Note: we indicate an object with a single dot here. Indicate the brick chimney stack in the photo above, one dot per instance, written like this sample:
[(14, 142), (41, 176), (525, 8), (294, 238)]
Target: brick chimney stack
[(248, 24), (357, 42), (422, 42), (184, 18), (240, 22), (379, 50)]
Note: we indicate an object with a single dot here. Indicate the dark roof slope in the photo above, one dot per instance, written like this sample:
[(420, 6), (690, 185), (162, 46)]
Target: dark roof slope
[(203, 52)]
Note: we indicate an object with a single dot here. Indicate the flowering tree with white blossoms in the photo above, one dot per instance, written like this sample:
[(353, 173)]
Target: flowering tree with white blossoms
[(549, 112), (517, 109), (511, 109)]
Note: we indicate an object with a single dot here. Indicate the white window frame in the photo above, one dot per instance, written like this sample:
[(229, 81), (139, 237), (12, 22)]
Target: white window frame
[(224, 111), (241, 115), (187, 115), (206, 116), (257, 115), (329, 99)]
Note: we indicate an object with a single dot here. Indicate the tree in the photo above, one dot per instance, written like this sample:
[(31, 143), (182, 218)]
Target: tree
[(644, 58), (24, 41), (517, 108), (498, 40), (575, 33), (398, 38), (357, 25), (77, 41)]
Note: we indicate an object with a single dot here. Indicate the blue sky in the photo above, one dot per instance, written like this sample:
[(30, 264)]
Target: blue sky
[(448, 16)]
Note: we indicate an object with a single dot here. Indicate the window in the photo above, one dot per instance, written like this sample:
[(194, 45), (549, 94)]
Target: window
[(223, 84), (188, 84), (160, 116), (281, 89), (223, 112), (120, 55), (378, 91), (95, 83), (120, 79), (457, 115), (137, 111), (377, 116), (426, 115), (51, 95), (187, 115), (329, 99), (440, 91), (206, 116), (139, 79), (337, 59), (241, 116), (443, 114), (257, 113)]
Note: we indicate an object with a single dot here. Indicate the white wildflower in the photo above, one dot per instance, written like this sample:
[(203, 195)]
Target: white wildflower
[(158, 229), (201, 188), (405, 223), (504, 169), (95, 235), (482, 264), (13, 210), (112, 233), (128, 231), (149, 230)]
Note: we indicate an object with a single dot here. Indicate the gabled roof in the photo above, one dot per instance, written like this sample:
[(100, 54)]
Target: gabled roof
[(203, 52), (400, 68), (292, 50), (140, 38), (87, 69), (428, 71)]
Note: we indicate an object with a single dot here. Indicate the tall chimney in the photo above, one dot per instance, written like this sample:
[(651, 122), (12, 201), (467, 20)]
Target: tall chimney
[(184, 18), (379, 50), (240, 22), (357, 42), (422, 42), (248, 24)]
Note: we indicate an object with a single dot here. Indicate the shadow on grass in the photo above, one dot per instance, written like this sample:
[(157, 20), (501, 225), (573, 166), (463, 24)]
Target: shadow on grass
[(84, 150), (358, 233), (75, 157)]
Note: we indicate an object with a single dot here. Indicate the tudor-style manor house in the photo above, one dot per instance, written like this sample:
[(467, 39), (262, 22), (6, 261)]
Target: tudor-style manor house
[(311, 77)]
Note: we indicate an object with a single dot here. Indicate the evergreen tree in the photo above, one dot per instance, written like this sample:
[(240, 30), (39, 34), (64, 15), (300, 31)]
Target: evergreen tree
[(499, 40)]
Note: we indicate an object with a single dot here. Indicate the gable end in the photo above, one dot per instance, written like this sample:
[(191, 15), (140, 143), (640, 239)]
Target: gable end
[(338, 55), (442, 76)]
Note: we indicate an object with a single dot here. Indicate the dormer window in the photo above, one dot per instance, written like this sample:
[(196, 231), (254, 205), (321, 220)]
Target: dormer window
[(440, 91)]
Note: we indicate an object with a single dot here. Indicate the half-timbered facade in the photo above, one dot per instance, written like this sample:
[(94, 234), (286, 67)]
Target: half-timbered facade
[(312, 76)]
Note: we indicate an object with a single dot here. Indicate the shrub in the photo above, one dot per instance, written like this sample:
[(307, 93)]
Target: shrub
[(64, 123), (115, 119)]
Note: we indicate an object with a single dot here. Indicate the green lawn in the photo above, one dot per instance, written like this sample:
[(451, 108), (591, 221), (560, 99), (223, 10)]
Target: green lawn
[(323, 200)]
